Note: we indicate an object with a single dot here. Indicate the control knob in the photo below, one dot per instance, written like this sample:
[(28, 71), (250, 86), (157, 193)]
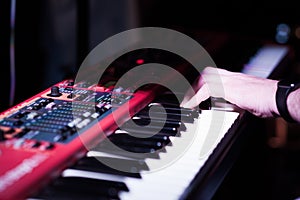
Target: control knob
[(54, 92)]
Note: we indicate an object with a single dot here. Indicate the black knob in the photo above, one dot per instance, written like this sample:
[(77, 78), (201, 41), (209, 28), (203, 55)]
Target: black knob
[(71, 83), (2, 137), (54, 92)]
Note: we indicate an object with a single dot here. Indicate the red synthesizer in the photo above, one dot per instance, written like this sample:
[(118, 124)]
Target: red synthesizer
[(51, 130)]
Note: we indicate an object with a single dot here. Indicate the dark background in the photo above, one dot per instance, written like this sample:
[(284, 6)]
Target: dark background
[(52, 38), (256, 18)]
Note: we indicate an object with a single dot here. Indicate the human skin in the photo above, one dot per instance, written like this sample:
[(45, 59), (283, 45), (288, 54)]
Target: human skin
[(254, 94)]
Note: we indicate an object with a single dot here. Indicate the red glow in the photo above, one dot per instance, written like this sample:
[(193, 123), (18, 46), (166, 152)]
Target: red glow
[(139, 61)]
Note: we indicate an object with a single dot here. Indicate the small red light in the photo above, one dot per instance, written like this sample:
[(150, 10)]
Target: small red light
[(139, 61)]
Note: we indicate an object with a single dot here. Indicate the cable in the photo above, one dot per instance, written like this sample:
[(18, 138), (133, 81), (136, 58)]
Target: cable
[(12, 53)]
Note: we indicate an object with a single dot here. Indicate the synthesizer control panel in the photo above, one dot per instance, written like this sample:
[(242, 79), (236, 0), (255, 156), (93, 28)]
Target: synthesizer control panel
[(44, 134), (53, 119)]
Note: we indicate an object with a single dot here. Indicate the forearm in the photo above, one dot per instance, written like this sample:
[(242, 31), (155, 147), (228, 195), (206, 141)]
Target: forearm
[(293, 104)]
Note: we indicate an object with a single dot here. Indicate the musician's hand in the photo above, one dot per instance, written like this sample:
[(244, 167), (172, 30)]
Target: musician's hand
[(257, 95)]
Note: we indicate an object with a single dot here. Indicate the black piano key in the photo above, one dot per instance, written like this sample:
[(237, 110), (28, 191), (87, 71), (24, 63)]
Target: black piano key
[(143, 121), (163, 138), (168, 111), (156, 122), (152, 139), (166, 116), (54, 194), (139, 149), (149, 132), (151, 128), (162, 116), (130, 152), (82, 188), (125, 139), (134, 166), (176, 109), (94, 164), (184, 111)]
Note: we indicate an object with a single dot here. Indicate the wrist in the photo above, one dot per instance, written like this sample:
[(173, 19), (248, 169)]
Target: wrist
[(284, 90)]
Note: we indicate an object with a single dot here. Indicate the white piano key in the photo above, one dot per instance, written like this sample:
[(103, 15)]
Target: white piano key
[(94, 153), (265, 60), (169, 181), (94, 175)]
